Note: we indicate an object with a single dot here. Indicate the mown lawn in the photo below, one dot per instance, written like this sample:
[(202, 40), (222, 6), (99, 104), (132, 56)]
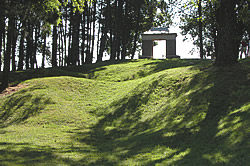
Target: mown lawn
[(140, 112)]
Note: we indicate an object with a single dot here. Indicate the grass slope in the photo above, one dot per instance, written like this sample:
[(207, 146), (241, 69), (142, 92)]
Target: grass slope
[(141, 112)]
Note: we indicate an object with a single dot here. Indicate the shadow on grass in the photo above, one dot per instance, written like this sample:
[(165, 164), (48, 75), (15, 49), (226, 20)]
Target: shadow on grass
[(84, 71), (175, 63), (89, 70), (209, 125), (21, 105), (24, 154)]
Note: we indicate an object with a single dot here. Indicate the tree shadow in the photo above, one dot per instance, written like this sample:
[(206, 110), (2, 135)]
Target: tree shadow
[(222, 138), (175, 63), (26, 154), (89, 70), (208, 126), (21, 105), (84, 71)]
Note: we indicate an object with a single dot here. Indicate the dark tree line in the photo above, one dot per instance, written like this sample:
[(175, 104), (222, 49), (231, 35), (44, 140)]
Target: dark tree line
[(72, 32)]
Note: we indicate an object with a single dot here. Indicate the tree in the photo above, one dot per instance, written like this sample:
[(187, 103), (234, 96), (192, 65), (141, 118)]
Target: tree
[(200, 27), (223, 24), (6, 69), (54, 46), (230, 31), (20, 9), (2, 29), (196, 21)]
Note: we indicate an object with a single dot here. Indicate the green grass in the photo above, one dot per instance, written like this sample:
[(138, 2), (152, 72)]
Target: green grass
[(140, 112)]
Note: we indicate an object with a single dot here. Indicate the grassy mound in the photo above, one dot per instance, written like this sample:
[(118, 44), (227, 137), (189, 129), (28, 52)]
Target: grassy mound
[(141, 112)]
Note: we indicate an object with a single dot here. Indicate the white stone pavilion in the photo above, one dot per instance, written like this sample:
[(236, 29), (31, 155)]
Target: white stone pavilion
[(158, 34)]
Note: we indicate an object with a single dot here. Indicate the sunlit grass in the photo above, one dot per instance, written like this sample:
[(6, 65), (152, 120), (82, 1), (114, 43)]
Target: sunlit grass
[(143, 112)]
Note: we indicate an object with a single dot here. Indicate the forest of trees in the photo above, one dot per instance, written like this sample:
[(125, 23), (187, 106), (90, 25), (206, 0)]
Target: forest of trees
[(67, 32), (207, 20), (73, 32)]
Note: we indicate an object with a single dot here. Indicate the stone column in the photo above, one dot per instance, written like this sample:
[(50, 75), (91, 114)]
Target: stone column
[(171, 48), (147, 49)]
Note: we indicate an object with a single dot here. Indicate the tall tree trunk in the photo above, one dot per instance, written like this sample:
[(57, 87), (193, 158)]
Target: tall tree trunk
[(2, 29), (54, 47), (21, 48), (6, 70), (37, 32), (99, 32), (125, 32), (93, 29), (69, 60), (62, 45), (110, 29), (31, 56), (136, 34), (104, 36), (227, 42), (75, 38), (83, 22), (88, 55), (200, 28), (65, 39), (14, 42), (4, 37), (44, 51), (119, 28), (115, 32), (29, 46), (103, 43)]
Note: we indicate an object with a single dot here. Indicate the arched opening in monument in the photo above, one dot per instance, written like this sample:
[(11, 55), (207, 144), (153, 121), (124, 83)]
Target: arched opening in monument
[(164, 38), (159, 49)]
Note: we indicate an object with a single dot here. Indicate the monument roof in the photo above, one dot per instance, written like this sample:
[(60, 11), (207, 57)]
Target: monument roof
[(157, 30)]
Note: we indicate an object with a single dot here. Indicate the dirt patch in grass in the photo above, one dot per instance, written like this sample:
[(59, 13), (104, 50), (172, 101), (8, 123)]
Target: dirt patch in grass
[(12, 89)]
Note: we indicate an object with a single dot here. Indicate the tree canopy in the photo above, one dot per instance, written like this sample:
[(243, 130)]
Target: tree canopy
[(223, 25)]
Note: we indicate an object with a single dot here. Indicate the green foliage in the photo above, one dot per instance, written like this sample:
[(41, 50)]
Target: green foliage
[(143, 112), (190, 21)]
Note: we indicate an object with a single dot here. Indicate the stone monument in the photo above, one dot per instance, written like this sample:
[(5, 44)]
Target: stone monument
[(158, 33)]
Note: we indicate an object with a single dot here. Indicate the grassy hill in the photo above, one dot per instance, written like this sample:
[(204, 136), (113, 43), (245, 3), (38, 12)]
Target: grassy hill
[(140, 112)]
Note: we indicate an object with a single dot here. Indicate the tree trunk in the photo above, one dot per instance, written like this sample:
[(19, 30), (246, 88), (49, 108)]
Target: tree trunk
[(114, 29), (99, 32), (69, 60), (2, 29), (227, 35), (110, 29), (136, 34), (75, 38), (54, 47), (6, 70), (93, 29), (88, 59), (14, 41), (200, 28), (62, 45), (29, 46), (37, 32), (103, 40), (44, 51), (32, 60), (125, 31), (21, 48), (65, 40), (83, 22)]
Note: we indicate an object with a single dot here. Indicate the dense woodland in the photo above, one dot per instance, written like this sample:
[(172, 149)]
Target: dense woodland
[(77, 32), (68, 32)]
